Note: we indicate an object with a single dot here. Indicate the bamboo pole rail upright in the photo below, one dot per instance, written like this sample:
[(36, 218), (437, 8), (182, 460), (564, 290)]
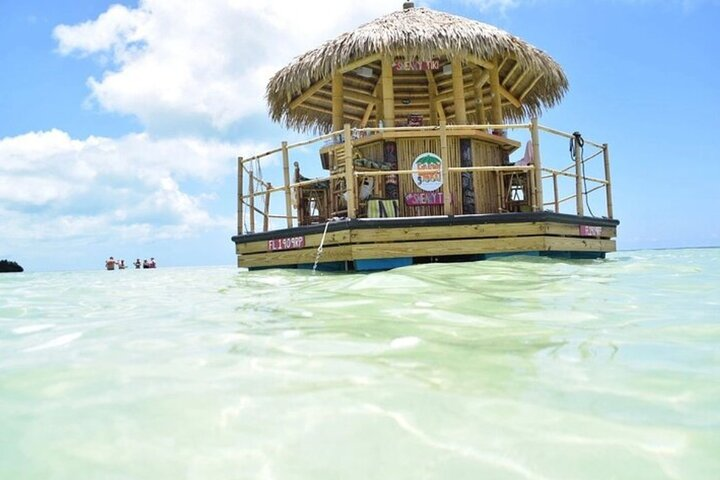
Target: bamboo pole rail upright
[(555, 192), (388, 93), (497, 116), (458, 92), (447, 200), (578, 177), (535, 139), (241, 203), (251, 192), (266, 211), (349, 173), (500, 193), (337, 100), (286, 178), (608, 185)]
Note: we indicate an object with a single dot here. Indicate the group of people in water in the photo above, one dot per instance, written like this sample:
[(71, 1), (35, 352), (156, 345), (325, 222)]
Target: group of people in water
[(111, 263)]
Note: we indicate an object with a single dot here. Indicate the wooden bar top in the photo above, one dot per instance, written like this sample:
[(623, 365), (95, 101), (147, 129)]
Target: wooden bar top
[(477, 134)]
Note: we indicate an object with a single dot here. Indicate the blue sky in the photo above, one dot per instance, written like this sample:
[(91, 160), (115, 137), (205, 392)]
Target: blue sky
[(120, 122)]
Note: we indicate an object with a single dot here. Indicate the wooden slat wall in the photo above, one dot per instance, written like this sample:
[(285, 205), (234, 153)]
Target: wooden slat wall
[(486, 155), (483, 154), (372, 151), (408, 150)]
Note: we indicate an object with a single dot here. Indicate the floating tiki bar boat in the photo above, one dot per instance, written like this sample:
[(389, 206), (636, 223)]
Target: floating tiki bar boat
[(413, 112)]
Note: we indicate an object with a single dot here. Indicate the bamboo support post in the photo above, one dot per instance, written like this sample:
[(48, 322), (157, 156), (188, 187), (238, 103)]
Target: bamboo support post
[(381, 99), (458, 92), (240, 202), (349, 173), (500, 192), (578, 177), (388, 93), (432, 94), (497, 116), (556, 194), (478, 82), (532, 180), (286, 178), (251, 192), (337, 100), (537, 162), (445, 165), (608, 185), (266, 212)]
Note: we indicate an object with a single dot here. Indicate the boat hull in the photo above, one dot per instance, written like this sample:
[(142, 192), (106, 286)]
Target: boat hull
[(381, 244)]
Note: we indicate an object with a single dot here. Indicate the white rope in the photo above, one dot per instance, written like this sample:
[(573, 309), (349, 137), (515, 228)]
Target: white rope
[(320, 248)]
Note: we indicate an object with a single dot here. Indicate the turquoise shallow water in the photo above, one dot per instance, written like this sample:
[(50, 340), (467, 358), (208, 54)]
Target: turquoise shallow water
[(515, 368)]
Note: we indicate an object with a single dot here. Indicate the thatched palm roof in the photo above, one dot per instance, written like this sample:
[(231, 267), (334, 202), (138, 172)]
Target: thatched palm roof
[(299, 94)]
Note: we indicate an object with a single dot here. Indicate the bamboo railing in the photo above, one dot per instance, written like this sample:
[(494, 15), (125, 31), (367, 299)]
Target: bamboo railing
[(536, 173)]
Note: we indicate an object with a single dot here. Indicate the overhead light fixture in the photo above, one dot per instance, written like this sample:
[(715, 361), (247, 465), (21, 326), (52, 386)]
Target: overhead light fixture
[(366, 72)]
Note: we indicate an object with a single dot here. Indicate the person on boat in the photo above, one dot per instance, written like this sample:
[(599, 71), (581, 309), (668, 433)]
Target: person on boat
[(152, 263), (137, 263), (146, 264), (121, 264), (110, 263)]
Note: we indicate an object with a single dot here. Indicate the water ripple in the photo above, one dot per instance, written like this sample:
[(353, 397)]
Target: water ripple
[(510, 368)]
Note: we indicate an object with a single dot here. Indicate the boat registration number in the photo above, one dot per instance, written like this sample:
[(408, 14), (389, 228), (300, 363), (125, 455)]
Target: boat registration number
[(288, 243)]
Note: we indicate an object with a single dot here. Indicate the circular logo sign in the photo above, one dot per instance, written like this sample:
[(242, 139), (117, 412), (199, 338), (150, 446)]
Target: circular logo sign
[(429, 176)]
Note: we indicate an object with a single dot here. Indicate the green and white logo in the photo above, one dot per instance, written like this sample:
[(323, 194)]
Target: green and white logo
[(429, 176)]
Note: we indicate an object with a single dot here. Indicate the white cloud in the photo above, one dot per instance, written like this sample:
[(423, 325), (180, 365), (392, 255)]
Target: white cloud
[(171, 61), (116, 29), (54, 186), (207, 60), (164, 61)]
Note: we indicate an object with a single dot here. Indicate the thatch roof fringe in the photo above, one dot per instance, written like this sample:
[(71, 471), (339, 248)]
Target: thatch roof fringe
[(415, 32)]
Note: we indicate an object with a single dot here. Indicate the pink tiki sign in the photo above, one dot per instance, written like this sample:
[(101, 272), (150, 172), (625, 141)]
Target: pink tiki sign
[(419, 199), (588, 231), (402, 65)]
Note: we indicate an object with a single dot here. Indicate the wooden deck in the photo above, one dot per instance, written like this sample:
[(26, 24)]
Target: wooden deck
[(349, 242)]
